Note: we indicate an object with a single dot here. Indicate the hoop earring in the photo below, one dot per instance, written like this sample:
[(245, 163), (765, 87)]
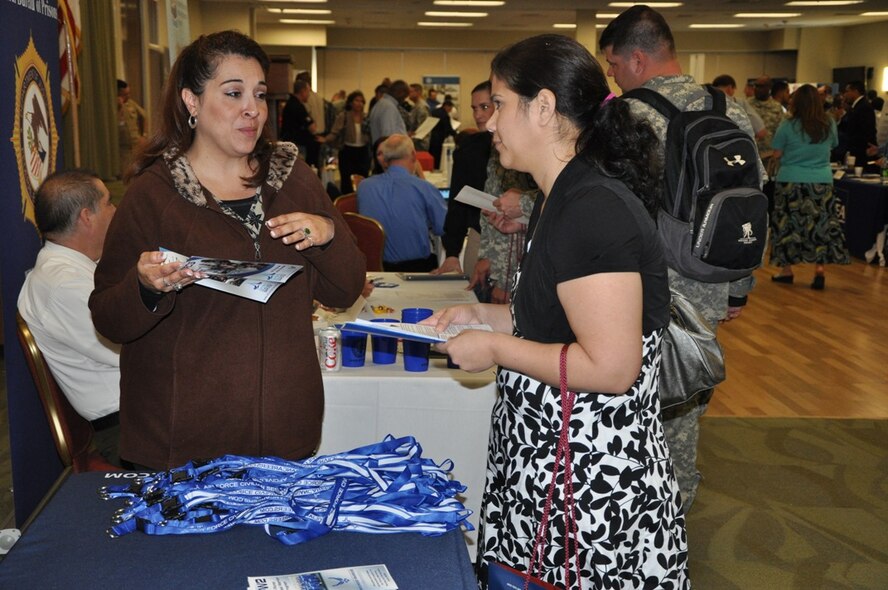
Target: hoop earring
[(192, 121)]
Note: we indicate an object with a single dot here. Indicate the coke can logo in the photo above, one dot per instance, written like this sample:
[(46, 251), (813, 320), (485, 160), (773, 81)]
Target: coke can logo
[(330, 352)]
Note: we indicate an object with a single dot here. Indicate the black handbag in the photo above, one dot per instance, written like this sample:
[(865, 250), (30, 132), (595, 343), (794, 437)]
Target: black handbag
[(691, 359)]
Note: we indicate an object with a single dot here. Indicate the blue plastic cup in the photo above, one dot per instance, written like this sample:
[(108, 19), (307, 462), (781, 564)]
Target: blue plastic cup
[(414, 315), (384, 348), (416, 354), (354, 347)]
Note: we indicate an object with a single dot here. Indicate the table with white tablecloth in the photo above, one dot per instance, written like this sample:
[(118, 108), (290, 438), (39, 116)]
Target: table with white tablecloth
[(447, 410)]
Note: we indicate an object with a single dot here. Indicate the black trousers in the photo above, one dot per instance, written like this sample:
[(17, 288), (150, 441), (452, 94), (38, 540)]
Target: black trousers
[(352, 160)]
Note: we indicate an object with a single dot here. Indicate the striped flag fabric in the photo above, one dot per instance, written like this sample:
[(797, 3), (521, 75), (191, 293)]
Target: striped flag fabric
[(69, 36)]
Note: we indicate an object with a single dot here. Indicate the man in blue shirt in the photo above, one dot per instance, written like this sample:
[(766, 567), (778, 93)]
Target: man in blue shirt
[(406, 206)]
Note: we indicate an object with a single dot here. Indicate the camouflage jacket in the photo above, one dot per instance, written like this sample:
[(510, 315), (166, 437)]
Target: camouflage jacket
[(504, 250), (418, 114), (772, 114)]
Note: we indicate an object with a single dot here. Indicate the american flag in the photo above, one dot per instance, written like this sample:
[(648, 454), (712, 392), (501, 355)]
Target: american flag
[(69, 25)]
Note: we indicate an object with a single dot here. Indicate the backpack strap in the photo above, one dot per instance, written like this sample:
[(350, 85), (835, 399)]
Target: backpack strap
[(719, 102), (669, 110), (655, 100)]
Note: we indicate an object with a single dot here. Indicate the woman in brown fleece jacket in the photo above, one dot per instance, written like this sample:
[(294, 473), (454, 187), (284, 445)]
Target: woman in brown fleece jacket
[(205, 373)]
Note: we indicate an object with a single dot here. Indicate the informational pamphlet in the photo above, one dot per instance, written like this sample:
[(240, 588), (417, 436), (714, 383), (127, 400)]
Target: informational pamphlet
[(415, 332), (425, 127), (245, 278), (475, 198), (366, 577)]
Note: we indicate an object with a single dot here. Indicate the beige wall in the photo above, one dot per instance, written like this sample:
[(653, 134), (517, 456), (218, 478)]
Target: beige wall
[(819, 52), (866, 45), (219, 16)]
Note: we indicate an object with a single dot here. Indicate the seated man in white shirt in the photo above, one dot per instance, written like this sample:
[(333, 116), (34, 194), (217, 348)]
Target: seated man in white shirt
[(73, 210)]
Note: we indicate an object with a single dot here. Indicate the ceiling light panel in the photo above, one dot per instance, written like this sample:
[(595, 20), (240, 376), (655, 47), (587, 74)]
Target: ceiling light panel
[(651, 4), (767, 14), (442, 24), (306, 21), (470, 3), (300, 10), (447, 14)]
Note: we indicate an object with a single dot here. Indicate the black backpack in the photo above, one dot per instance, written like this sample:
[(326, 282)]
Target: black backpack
[(714, 218)]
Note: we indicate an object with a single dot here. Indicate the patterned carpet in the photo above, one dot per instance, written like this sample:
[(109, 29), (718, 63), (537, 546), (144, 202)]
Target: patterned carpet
[(798, 503)]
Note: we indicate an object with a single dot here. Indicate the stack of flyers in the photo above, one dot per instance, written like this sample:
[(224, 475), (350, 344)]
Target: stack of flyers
[(365, 577)]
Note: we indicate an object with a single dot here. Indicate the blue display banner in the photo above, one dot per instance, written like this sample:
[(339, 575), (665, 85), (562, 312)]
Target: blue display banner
[(30, 121)]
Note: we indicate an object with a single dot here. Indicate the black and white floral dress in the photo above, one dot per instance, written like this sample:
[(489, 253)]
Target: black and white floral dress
[(629, 518)]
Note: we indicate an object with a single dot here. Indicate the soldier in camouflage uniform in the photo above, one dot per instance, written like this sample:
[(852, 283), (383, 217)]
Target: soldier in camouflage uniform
[(768, 109), (499, 253), (418, 113), (640, 51)]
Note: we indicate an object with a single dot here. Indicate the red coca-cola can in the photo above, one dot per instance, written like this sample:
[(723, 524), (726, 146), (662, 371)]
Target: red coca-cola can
[(330, 348)]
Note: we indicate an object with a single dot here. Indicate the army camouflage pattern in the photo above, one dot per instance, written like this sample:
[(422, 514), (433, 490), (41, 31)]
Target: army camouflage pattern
[(681, 423), (772, 114), (504, 250), (418, 114)]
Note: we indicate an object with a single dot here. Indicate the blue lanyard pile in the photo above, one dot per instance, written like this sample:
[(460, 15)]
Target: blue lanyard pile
[(385, 487)]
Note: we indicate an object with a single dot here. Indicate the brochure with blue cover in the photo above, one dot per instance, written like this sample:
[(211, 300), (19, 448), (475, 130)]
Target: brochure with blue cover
[(366, 577), (414, 332)]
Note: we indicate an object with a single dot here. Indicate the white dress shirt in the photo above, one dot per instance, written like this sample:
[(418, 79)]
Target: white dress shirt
[(54, 303)]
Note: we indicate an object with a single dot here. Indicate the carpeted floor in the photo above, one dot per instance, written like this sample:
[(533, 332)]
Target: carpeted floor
[(791, 503)]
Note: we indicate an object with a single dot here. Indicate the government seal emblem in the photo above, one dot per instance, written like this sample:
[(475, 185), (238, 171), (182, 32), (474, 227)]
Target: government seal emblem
[(34, 137)]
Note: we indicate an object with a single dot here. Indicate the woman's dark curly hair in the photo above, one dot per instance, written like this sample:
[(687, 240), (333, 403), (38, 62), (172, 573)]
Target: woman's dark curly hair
[(349, 102), (619, 144), (194, 67)]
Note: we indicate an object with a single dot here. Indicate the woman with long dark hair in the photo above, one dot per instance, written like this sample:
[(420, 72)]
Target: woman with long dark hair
[(592, 278), (351, 137), (204, 373), (805, 225)]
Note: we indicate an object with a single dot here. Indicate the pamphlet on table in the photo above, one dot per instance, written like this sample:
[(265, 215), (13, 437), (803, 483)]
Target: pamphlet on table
[(245, 278), (415, 332), (475, 198), (366, 577)]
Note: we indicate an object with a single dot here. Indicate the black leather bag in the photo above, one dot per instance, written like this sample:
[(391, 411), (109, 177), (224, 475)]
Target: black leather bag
[(691, 359)]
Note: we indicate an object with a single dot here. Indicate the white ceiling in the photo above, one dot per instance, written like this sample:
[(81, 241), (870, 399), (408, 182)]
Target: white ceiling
[(540, 15)]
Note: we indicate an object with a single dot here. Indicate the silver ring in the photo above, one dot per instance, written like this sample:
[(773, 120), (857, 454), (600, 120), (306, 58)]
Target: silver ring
[(306, 232), (310, 241), (177, 287), (166, 282)]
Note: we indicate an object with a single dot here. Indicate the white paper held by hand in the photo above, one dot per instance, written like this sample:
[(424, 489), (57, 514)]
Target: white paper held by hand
[(425, 127), (414, 332), (475, 198)]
